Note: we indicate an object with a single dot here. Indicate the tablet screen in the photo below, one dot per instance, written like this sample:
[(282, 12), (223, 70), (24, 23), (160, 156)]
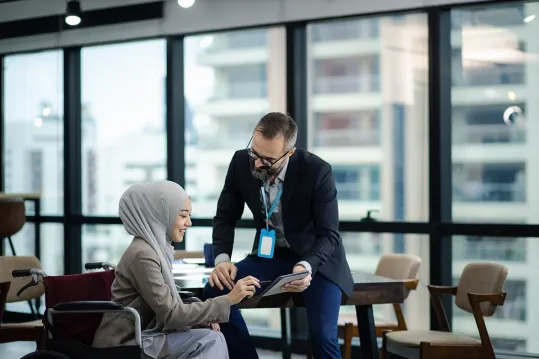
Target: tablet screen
[(275, 287)]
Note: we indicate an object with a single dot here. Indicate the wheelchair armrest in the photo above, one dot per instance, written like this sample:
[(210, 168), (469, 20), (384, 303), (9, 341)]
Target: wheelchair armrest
[(86, 306)]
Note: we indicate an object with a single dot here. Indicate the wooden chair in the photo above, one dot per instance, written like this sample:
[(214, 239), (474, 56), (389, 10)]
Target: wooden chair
[(12, 219), (396, 266), (28, 331), (480, 291)]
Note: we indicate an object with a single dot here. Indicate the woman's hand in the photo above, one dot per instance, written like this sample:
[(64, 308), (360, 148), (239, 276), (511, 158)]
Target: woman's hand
[(245, 287), (215, 327)]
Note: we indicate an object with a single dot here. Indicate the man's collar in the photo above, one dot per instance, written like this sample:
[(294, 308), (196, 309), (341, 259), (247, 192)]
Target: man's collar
[(282, 172)]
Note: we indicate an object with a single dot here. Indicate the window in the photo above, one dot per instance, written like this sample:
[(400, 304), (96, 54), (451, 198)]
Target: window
[(493, 153), (368, 112), (123, 136), (33, 129), (360, 183), (347, 129), (489, 182), (231, 80), (104, 242), (493, 132), (363, 252), (481, 125), (260, 321), (490, 248)]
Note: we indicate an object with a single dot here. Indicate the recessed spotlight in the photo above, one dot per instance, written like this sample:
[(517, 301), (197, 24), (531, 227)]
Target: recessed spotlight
[(529, 18), (186, 3), (511, 96)]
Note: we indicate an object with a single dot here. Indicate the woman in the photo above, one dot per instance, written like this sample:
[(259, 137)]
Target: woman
[(157, 214)]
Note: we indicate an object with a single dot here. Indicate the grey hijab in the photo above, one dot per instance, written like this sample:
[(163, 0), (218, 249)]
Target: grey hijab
[(149, 211)]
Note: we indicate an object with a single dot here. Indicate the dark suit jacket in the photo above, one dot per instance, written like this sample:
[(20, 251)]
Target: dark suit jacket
[(309, 210)]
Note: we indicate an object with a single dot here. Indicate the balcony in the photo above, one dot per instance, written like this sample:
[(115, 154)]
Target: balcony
[(510, 75), (490, 249), (476, 134), (346, 84), (353, 191), (237, 40), (345, 30), (227, 141), (346, 137), (242, 91), (489, 192)]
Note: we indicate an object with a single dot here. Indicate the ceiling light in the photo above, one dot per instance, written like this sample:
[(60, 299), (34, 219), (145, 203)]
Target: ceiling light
[(529, 18), (73, 13), (186, 3), (511, 96)]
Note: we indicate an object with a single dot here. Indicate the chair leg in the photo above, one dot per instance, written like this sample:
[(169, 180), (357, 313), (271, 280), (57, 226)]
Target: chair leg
[(347, 348), (11, 246)]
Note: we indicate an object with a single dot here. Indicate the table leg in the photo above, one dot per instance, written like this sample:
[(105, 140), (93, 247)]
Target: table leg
[(367, 332), (285, 333)]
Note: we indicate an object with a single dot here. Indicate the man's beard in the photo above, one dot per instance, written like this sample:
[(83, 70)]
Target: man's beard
[(263, 174)]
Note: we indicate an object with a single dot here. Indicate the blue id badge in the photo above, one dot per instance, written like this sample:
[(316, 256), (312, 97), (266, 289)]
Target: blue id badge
[(266, 244)]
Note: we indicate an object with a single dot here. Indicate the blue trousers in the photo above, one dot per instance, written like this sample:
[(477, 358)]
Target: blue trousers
[(322, 300)]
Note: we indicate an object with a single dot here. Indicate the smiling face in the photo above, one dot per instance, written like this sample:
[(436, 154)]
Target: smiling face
[(183, 221)]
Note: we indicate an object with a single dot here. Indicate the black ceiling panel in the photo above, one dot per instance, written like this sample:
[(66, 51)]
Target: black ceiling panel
[(92, 18)]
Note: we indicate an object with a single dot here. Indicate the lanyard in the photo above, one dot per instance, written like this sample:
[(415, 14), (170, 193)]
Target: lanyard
[(270, 212)]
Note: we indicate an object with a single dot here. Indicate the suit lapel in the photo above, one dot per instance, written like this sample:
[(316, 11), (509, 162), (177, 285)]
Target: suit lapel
[(290, 180)]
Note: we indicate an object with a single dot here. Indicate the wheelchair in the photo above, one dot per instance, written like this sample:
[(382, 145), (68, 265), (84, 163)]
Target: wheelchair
[(74, 307)]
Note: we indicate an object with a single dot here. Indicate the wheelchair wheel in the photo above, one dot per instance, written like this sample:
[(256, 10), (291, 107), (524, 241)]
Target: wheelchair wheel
[(45, 354)]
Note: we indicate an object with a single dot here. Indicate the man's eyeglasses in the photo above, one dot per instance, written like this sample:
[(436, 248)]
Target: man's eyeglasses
[(266, 162)]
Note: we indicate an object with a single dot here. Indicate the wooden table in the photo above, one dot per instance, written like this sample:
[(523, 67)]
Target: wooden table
[(369, 290), (36, 198)]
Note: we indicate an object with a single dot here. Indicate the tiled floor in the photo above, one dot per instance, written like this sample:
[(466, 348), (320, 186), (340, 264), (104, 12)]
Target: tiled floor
[(19, 349)]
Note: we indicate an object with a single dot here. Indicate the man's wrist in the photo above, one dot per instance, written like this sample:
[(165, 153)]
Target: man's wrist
[(223, 257), (305, 265)]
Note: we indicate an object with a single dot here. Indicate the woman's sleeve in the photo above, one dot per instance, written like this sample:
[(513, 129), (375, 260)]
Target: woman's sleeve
[(173, 313)]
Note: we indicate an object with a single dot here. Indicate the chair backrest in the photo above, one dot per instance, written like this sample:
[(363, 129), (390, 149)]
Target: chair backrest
[(4, 289), (12, 216), (398, 266), (7, 265), (480, 278), (93, 286)]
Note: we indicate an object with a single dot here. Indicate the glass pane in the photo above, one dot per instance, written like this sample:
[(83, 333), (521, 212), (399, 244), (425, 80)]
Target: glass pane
[(33, 129), (363, 251), (123, 130), (510, 328), (266, 322), (368, 112), (104, 242), (495, 69), (231, 80), (52, 253)]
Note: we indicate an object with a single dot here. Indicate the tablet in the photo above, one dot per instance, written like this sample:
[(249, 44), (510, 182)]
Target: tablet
[(275, 286)]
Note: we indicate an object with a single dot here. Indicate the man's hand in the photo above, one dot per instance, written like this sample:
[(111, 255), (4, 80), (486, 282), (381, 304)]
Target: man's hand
[(298, 285), (223, 275)]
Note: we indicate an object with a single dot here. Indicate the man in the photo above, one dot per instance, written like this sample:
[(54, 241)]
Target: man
[(293, 198)]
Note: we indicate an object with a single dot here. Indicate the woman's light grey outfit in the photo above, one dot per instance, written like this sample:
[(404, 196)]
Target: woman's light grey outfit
[(144, 281)]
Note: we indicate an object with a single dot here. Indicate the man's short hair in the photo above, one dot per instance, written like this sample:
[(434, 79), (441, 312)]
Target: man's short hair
[(275, 124)]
